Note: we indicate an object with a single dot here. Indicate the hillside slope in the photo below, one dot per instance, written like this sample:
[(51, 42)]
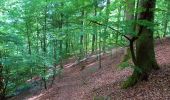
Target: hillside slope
[(92, 82)]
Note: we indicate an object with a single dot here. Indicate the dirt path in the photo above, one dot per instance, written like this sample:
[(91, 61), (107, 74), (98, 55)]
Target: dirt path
[(93, 82)]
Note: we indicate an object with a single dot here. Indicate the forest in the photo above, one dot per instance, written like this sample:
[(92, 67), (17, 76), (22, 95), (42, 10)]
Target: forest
[(84, 49)]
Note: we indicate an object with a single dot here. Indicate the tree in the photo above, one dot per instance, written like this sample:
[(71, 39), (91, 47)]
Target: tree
[(145, 55), (166, 21), (2, 95)]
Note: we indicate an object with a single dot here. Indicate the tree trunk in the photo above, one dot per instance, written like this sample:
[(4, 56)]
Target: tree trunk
[(82, 37), (118, 20), (61, 41), (106, 25), (145, 55), (167, 14), (93, 41), (86, 44), (37, 38), (29, 46), (2, 95), (55, 60), (95, 30), (100, 49), (45, 45), (61, 54)]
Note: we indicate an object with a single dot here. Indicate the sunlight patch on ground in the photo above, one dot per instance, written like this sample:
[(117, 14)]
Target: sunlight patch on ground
[(92, 64), (69, 65), (35, 97)]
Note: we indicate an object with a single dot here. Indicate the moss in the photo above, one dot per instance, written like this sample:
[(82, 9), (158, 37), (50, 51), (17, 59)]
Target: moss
[(131, 81)]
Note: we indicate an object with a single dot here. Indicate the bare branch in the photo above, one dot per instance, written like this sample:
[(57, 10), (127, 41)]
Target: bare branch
[(107, 26), (125, 36)]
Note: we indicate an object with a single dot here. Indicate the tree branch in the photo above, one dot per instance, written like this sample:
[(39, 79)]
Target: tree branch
[(128, 38), (132, 50), (106, 25), (131, 40)]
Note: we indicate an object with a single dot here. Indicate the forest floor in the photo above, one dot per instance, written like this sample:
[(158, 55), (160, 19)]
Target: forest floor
[(77, 84)]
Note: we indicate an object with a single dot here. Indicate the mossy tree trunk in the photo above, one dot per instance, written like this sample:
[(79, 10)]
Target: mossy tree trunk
[(145, 55)]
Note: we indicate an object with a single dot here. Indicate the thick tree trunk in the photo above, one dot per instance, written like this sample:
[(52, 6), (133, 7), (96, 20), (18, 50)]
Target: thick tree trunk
[(129, 10), (145, 55)]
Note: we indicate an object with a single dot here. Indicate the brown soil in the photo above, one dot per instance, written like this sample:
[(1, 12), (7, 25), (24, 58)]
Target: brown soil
[(91, 82)]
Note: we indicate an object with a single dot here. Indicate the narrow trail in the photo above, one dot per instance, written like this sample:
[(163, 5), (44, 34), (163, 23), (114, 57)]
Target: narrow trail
[(75, 84)]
